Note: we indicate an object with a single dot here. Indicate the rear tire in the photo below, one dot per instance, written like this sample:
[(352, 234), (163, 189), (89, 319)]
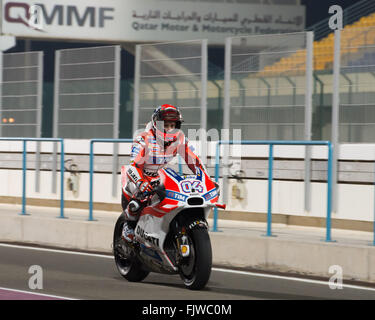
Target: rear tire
[(129, 267), (197, 270)]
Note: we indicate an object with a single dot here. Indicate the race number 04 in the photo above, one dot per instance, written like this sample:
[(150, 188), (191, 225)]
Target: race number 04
[(188, 186)]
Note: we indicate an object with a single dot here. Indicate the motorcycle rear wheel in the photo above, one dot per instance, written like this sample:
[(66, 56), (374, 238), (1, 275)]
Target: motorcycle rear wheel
[(196, 271), (129, 267)]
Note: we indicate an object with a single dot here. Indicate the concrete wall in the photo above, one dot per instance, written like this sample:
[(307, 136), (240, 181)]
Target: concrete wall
[(231, 248), (303, 257)]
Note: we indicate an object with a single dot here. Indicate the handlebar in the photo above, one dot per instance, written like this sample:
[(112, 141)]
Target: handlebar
[(221, 206), (159, 190)]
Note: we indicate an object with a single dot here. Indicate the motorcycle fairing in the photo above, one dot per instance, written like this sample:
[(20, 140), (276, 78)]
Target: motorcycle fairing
[(154, 222)]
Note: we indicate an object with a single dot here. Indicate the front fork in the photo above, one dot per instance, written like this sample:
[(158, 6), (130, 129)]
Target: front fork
[(182, 240), (183, 245)]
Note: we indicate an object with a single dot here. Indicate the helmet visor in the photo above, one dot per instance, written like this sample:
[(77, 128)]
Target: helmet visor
[(164, 135)]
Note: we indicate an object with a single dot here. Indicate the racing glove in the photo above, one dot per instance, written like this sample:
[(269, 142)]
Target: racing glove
[(144, 187)]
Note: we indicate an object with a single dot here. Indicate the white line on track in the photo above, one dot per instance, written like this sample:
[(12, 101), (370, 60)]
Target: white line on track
[(37, 294), (56, 250), (265, 275), (254, 274)]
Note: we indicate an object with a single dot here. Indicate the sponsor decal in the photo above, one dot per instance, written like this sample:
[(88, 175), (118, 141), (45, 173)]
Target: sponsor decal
[(142, 21), (135, 150), (176, 196), (210, 194), (199, 174), (133, 175), (198, 223), (61, 15), (154, 159), (173, 174), (143, 234)]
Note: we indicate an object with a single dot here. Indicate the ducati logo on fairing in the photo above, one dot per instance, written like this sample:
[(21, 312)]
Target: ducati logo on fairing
[(147, 237)]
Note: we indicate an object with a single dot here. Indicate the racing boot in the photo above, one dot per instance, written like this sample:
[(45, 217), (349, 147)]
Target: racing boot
[(128, 232), (131, 214)]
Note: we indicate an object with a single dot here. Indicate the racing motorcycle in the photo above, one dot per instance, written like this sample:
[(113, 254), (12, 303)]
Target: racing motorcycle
[(171, 235)]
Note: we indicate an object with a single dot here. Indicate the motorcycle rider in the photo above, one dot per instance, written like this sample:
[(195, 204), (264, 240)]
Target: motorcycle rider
[(161, 141)]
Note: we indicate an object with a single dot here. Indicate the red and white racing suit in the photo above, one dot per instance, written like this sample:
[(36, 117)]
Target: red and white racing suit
[(147, 157)]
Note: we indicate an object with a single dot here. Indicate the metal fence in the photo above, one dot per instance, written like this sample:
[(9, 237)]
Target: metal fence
[(271, 145), (353, 93), (357, 85), (86, 97), (174, 73), (268, 91), (21, 96), (268, 86), (24, 168)]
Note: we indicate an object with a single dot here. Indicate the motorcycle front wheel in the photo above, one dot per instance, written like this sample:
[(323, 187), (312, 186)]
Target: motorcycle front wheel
[(127, 264), (195, 271)]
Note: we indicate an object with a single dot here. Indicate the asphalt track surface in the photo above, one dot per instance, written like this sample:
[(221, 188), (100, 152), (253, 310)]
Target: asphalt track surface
[(76, 275)]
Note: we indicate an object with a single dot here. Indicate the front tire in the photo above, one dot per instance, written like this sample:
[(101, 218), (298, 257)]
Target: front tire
[(126, 261), (196, 271)]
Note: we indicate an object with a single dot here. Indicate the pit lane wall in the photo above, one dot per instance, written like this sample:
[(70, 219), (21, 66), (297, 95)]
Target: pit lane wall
[(236, 248), (247, 197), (231, 248)]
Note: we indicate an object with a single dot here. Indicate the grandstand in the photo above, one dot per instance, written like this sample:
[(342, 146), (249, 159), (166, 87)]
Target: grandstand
[(354, 37), (275, 77)]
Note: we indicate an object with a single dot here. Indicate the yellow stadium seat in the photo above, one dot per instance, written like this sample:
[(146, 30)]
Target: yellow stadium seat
[(352, 38)]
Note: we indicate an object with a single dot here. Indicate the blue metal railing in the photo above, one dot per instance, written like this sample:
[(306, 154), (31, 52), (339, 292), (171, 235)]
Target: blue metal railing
[(270, 143), (24, 140), (92, 141), (270, 169)]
